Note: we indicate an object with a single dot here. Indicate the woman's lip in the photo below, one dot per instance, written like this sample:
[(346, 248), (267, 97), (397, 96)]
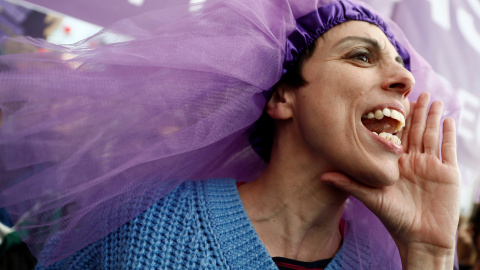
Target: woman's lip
[(389, 145)]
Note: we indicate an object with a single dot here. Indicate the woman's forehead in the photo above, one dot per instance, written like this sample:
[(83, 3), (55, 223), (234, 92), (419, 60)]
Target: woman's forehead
[(358, 29)]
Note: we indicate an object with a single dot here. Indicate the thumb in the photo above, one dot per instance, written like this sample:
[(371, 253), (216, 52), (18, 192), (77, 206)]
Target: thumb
[(349, 185)]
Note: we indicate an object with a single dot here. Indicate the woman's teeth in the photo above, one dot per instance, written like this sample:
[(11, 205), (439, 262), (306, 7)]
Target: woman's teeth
[(392, 113), (390, 137), (386, 112)]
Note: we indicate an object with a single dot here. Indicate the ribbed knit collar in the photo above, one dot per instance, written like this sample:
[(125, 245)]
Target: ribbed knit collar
[(236, 235)]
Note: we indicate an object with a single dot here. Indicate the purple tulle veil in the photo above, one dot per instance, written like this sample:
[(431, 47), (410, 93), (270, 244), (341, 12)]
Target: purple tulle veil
[(92, 136)]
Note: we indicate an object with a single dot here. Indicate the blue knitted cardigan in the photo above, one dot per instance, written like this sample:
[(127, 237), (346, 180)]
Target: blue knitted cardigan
[(199, 225)]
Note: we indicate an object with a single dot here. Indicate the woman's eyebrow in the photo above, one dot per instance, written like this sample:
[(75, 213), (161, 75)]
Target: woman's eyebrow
[(372, 42)]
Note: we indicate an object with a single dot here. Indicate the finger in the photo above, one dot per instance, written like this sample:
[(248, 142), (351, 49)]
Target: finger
[(343, 182), (449, 143), (406, 129), (417, 128), (431, 136)]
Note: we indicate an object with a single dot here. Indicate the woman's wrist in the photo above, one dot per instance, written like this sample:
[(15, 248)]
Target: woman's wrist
[(425, 256)]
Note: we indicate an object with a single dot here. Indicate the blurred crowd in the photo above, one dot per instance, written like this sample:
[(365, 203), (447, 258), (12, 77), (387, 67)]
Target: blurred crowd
[(468, 245)]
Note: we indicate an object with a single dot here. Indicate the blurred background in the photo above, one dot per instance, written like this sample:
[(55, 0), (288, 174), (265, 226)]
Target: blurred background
[(445, 32)]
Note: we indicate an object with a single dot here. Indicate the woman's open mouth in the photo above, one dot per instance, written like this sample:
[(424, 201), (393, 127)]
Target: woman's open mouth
[(385, 123)]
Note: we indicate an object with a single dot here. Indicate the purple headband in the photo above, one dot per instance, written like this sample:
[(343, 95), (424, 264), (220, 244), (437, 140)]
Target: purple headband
[(316, 23)]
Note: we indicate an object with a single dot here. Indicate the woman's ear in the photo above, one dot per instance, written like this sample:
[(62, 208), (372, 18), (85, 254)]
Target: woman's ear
[(280, 106)]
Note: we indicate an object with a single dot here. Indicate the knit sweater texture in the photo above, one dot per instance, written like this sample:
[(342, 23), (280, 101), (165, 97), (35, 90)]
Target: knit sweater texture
[(199, 225)]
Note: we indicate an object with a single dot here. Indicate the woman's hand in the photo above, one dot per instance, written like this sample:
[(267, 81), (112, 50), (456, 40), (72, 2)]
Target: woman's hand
[(421, 209)]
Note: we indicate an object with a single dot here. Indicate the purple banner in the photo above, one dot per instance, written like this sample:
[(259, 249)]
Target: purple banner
[(104, 12), (447, 34)]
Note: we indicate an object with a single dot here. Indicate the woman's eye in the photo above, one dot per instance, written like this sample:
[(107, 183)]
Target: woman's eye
[(363, 57)]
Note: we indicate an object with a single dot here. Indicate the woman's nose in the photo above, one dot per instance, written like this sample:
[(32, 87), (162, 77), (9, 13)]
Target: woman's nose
[(399, 79)]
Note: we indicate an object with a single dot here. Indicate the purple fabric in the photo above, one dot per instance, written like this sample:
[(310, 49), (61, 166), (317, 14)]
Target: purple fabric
[(171, 96), (15, 14)]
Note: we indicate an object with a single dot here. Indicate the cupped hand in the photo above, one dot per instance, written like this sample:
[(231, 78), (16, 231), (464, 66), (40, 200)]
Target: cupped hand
[(421, 209)]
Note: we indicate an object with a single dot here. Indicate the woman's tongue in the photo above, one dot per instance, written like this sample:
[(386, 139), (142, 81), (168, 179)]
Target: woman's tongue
[(385, 124)]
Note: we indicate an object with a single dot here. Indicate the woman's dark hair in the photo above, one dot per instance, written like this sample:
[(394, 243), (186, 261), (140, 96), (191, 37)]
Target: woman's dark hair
[(293, 77)]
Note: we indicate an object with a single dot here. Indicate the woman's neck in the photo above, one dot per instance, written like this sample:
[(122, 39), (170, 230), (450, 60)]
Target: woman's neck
[(294, 214)]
